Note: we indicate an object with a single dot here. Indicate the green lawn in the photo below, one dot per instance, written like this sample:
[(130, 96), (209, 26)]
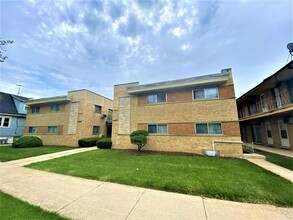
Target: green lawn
[(7, 152), (282, 161), (14, 209), (230, 179)]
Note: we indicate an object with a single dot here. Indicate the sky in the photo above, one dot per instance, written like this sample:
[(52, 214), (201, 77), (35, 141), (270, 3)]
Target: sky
[(66, 45)]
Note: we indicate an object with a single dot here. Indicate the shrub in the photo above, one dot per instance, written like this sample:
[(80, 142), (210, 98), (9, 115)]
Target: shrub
[(88, 142), (139, 132), (28, 141), (139, 138), (104, 143)]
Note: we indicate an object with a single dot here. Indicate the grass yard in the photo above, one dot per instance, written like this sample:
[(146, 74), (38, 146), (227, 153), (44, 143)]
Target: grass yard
[(279, 160), (14, 209), (7, 152), (229, 179)]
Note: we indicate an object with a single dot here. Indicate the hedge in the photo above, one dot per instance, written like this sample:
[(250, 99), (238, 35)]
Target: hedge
[(28, 141), (104, 143), (88, 142)]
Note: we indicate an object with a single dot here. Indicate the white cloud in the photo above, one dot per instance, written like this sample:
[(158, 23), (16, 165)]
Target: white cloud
[(178, 32), (185, 47)]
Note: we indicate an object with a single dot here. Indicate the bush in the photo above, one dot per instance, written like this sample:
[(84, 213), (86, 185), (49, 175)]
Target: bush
[(139, 138), (28, 141), (88, 142), (104, 143), (139, 132)]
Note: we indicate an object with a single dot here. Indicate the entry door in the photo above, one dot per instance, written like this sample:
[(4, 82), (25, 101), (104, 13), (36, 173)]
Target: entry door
[(269, 133), (284, 134), (263, 102), (256, 133), (278, 98)]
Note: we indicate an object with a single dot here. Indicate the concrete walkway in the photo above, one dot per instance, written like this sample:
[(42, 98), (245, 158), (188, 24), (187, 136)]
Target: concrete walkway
[(30, 160), (283, 172), (84, 199), (283, 152)]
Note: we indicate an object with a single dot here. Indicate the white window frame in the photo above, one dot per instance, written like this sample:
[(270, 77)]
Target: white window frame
[(204, 90), (156, 99), (157, 129), (207, 123), (2, 121)]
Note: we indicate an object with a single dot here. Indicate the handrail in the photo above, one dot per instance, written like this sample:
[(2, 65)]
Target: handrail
[(219, 141)]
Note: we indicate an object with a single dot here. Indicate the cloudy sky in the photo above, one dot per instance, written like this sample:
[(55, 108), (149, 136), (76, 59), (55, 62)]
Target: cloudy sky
[(67, 45)]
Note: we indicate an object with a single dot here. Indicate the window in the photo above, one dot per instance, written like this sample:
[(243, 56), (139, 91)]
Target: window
[(96, 129), (156, 98), (98, 109), (52, 129), (55, 108), (208, 93), (157, 129), (5, 122), (32, 130), (208, 128), (35, 109)]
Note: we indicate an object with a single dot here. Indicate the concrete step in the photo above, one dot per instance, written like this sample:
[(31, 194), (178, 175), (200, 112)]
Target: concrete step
[(254, 156)]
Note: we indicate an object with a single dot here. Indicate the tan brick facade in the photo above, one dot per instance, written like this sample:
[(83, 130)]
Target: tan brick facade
[(74, 120), (180, 113)]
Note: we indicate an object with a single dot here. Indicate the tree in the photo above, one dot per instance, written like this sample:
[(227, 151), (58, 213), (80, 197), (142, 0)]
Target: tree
[(139, 138), (3, 43)]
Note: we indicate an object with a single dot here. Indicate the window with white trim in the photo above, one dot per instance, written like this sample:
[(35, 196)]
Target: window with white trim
[(158, 128), (157, 98), (52, 129), (5, 122), (32, 130), (208, 128), (206, 93)]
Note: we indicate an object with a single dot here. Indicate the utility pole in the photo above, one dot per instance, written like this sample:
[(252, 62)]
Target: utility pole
[(19, 86)]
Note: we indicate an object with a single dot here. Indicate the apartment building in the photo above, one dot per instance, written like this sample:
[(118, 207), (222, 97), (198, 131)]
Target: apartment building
[(185, 115), (63, 120), (266, 111)]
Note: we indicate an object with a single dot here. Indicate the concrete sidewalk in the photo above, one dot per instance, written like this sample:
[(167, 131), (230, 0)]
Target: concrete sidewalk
[(279, 151), (281, 171), (84, 199), (30, 160)]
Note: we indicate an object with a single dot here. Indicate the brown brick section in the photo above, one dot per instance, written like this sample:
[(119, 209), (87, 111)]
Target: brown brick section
[(44, 130), (142, 127), (231, 128), (183, 95), (181, 128), (142, 100), (226, 92)]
